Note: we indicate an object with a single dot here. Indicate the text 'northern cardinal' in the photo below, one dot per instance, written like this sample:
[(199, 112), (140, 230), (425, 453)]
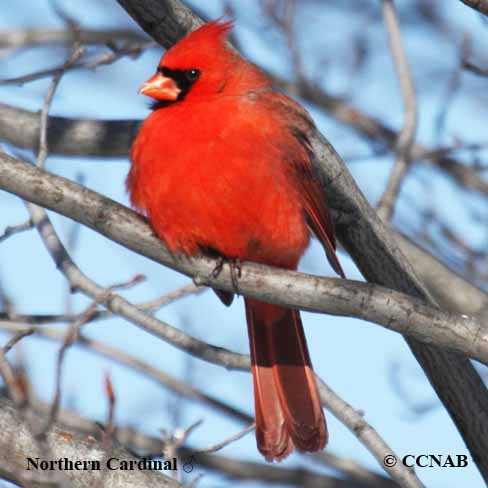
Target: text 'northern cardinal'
[(223, 165)]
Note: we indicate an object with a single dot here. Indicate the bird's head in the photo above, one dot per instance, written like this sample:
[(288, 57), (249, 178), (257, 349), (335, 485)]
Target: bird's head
[(202, 64)]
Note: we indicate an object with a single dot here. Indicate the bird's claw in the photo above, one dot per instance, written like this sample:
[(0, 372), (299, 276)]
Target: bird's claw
[(235, 270), (219, 266)]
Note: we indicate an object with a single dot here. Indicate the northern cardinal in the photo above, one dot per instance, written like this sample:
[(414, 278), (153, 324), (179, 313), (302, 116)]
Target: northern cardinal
[(223, 165)]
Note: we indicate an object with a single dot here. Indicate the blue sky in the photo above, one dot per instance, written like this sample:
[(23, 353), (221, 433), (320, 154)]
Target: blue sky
[(354, 357)]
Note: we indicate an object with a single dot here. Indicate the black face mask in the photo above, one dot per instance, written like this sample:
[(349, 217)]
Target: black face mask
[(184, 79)]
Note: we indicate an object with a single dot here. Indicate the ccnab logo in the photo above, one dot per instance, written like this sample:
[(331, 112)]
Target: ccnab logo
[(435, 460)]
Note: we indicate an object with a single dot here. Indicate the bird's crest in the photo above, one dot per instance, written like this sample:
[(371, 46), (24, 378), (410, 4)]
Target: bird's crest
[(200, 45)]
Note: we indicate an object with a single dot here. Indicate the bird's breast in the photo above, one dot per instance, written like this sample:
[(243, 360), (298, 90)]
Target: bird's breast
[(217, 177)]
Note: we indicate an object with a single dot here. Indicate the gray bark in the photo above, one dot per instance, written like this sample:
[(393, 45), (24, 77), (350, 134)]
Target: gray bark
[(17, 444)]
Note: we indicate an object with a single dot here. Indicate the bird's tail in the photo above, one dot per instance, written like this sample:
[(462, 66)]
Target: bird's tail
[(287, 403)]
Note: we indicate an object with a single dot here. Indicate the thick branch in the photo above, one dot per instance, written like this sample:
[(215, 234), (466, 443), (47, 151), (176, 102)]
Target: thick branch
[(17, 444), (460, 296), (479, 5), (166, 21), (70, 137)]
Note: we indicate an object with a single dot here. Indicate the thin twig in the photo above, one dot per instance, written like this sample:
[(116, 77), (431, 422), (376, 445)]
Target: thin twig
[(103, 59), (121, 357), (15, 229), (110, 426), (375, 444), (15, 390), (354, 470), (174, 441), (109, 429), (406, 137), (15, 387), (12, 39), (69, 339), (475, 69), (43, 149), (172, 296), (226, 442), (150, 305), (16, 338)]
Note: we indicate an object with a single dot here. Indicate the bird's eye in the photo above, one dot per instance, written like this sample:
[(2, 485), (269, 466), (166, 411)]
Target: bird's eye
[(192, 74)]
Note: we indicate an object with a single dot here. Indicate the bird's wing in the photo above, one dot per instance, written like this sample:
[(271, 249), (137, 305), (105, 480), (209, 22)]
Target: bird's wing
[(297, 120)]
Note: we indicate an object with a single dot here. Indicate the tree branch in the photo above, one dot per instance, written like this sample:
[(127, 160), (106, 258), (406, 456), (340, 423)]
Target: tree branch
[(95, 138), (479, 5), (23, 38), (17, 444), (406, 137), (121, 357)]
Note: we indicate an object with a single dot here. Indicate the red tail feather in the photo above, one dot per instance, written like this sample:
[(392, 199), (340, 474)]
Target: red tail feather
[(287, 403)]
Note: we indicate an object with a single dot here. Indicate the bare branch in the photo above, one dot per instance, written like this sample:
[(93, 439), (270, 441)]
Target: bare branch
[(226, 442), (354, 470), (150, 305), (146, 369), (22, 38), (109, 426), (406, 137), (68, 341), (43, 149), (70, 137), (14, 388), (473, 68), (166, 21), (17, 338), (366, 434), (63, 444), (100, 60), (15, 229), (172, 296), (479, 5)]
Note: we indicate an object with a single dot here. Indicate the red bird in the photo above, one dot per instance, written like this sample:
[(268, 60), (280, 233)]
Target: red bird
[(223, 165)]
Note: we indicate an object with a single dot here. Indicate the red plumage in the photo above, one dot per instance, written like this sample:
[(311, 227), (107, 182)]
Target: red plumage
[(225, 165)]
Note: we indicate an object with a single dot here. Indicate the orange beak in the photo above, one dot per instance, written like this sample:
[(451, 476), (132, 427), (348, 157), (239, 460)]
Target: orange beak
[(161, 88)]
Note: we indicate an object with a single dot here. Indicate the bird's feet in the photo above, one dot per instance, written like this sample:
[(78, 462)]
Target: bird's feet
[(235, 270)]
